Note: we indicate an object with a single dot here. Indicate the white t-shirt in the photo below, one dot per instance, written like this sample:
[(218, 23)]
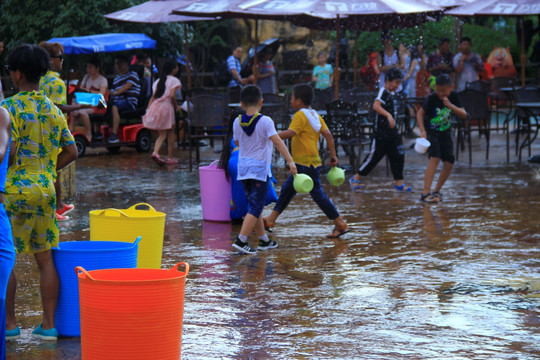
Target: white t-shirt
[(255, 154), (87, 82), (469, 73)]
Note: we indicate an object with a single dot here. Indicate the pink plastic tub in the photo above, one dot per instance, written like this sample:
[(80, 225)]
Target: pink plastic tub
[(215, 193)]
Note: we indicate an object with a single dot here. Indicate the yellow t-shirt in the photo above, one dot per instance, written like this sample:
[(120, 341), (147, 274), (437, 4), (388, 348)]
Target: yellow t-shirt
[(305, 144)]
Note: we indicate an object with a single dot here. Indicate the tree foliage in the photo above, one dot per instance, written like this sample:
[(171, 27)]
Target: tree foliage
[(32, 21)]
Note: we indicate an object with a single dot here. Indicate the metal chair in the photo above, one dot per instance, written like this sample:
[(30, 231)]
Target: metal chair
[(321, 98), (479, 85), (347, 128), (476, 104), (501, 101), (526, 94), (207, 120), (276, 108)]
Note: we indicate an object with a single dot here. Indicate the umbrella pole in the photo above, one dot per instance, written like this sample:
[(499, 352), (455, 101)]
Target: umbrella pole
[(355, 61), (337, 71), (255, 57), (188, 62), (523, 56)]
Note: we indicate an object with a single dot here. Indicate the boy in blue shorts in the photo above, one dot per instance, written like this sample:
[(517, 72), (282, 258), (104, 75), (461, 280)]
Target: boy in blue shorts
[(305, 129), (434, 120), (256, 136)]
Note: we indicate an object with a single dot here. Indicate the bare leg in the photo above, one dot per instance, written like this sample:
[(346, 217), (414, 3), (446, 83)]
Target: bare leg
[(340, 223), (116, 119), (399, 182), (170, 143), (49, 286), (445, 173), (58, 188), (430, 173), (159, 141), (11, 322), (71, 124), (271, 219), (259, 227), (249, 224), (85, 119)]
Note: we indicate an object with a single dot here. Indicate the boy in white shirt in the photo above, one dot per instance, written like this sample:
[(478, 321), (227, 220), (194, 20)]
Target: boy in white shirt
[(256, 136)]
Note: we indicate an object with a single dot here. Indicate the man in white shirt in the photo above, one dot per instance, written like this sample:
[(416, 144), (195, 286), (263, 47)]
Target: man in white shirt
[(467, 65)]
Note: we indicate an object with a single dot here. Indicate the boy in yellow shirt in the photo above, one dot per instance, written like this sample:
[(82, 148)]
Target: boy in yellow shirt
[(305, 129)]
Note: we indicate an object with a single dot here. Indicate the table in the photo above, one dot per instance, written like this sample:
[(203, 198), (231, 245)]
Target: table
[(532, 111)]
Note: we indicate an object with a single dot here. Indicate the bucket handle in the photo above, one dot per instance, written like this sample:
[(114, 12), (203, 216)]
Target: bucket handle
[(80, 269), (112, 209), (137, 240), (186, 267), (148, 207)]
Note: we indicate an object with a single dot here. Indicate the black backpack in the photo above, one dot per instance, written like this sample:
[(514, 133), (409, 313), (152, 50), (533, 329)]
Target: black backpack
[(222, 74)]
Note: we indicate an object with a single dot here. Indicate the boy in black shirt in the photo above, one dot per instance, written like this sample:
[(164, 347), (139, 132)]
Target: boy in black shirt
[(434, 120), (386, 137)]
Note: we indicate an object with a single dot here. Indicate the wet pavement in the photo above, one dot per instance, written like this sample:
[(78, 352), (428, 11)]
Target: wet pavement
[(458, 280)]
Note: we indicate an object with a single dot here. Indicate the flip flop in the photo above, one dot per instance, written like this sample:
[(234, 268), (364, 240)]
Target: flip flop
[(403, 188), (354, 187), (266, 227), (339, 233)]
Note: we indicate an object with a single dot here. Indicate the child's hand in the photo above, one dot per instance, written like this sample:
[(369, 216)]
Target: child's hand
[(333, 161), (391, 122), (292, 168), (423, 134), (446, 102)]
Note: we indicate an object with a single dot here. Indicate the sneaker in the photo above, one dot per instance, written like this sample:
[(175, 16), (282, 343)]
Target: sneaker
[(97, 136), (266, 245), (61, 217), (66, 209), (113, 139), (13, 334), (49, 334), (243, 247)]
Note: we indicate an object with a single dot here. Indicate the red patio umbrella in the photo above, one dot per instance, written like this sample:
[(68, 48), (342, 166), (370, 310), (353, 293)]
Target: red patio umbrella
[(518, 8), (155, 12), (319, 14)]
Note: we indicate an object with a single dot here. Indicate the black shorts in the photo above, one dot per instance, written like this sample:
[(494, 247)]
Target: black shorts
[(442, 146)]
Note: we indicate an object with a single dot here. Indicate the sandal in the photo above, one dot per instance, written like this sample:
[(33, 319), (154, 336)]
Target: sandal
[(354, 187), (267, 226), (437, 195), (171, 161), (429, 198), (338, 232), (403, 188), (158, 160)]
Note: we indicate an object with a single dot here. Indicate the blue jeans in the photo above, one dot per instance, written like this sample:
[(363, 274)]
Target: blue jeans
[(7, 260), (318, 194)]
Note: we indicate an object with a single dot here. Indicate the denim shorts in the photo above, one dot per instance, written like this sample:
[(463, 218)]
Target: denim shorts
[(256, 195), (122, 104)]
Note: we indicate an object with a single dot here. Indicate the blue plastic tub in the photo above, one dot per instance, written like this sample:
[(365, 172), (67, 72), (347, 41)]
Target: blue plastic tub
[(92, 255)]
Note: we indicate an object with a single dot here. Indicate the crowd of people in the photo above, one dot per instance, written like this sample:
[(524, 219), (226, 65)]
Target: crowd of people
[(36, 141)]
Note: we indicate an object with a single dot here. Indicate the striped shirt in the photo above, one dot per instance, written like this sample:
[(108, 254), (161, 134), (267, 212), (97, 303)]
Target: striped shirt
[(233, 64), (132, 94)]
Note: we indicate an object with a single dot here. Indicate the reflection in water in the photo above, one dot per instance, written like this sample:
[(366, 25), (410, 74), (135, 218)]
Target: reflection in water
[(454, 280)]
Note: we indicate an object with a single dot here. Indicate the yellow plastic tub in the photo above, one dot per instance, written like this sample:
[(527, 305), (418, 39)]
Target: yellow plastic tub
[(127, 224)]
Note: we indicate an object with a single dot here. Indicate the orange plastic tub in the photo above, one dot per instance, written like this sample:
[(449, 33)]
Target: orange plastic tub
[(131, 313)]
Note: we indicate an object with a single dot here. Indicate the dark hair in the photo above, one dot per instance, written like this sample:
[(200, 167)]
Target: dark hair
[(226, 151), (31, 60), (235, 46), (250, 95), (122, 58), (166, 69), (465, 38), (94, 61), (443, 40), (393, 74), (321, 53), (443, 80), (304, 92), (386, 35)]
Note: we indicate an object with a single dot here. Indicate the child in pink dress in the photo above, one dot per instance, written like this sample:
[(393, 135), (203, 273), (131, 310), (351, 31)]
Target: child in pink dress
[(161, 110)]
